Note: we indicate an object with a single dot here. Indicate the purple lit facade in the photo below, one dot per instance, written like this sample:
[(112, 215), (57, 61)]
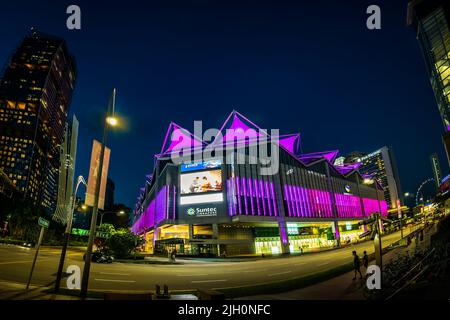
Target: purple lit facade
[(307, 191)]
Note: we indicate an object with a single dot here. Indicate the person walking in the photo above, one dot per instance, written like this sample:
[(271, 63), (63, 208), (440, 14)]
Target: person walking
[(365, 261), (356, 265), (174, 252)]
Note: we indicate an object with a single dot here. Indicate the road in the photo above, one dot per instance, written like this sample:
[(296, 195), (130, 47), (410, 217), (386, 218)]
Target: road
[(15, 263)]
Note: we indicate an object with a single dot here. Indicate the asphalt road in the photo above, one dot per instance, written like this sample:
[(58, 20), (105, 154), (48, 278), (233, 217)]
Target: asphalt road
[(15, 263)]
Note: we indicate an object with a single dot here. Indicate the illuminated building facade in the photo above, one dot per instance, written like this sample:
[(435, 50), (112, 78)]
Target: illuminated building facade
[(35, 93), (382, 166), (431, 22), (221, 204), (436, 167), (67, 171)]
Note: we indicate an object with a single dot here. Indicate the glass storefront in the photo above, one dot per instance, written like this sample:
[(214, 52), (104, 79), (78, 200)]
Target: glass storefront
[(349, 231)]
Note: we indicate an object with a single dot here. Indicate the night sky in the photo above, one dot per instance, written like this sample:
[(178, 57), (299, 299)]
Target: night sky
[(306, 66)]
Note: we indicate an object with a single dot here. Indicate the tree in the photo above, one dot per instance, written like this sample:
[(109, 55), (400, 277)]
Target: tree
[(106, 227), (122, 242)]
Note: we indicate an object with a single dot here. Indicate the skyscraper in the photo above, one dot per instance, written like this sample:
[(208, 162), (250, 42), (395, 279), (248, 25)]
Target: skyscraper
[(35, 94), (381, 165), (437, 173), (67, 171), (431, 22)]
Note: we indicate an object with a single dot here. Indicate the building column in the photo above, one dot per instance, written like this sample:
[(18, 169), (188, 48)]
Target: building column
[(215, 228), (284, 238), (335, 225), (191, 231)]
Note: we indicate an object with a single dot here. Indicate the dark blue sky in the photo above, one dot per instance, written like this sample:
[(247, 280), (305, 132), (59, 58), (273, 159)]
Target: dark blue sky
[(306, 66)]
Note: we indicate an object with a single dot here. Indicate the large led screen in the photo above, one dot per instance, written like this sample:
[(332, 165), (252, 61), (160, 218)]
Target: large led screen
[(201, 182)]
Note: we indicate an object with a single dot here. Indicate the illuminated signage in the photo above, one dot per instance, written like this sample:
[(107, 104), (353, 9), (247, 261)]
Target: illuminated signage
[(203, 198), (202, 211), (212, 164), (292, 229)]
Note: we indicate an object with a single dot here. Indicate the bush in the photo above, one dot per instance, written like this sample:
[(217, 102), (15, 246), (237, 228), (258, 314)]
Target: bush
[(122, 242)]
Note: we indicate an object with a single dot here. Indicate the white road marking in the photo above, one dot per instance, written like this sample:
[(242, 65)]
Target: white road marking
[(116, 274), (110, 280), (204, 281), (278, 273), (27, 261), (254, 270), (323, 263), (192, 275)]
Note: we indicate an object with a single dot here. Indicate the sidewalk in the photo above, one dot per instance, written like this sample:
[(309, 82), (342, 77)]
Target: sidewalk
[(16, 291), (339, 288)]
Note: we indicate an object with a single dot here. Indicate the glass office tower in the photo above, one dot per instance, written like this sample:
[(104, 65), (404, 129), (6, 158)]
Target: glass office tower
[(430, 19), (35, 93)]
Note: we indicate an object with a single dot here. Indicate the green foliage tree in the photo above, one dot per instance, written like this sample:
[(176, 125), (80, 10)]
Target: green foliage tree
[(122, 242), (106, 227)]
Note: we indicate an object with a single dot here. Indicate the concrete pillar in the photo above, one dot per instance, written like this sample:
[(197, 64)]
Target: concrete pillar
[(335, 226), (191, 231), (284, 238), (215, 228), (190, 237)]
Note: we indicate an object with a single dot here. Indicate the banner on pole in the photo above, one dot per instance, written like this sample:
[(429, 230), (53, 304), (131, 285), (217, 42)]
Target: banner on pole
[(93, 172)]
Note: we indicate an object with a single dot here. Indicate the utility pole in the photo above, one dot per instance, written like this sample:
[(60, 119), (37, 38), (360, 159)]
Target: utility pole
[(108, 120), (71, 209)]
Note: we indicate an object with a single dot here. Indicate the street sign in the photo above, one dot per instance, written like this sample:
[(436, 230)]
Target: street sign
[(43, 222), (84, 232)]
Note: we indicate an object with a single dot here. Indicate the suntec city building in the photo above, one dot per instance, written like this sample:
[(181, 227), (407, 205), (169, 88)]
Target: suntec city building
[(222, 204)]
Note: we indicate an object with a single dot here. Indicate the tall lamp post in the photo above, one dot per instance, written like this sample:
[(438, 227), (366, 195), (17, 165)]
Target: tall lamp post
[(102, 213), (109, 120), (71, 209)]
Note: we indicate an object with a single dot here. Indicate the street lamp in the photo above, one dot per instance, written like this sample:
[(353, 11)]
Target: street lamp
[(109, 121), (71, 208), (104, 212)]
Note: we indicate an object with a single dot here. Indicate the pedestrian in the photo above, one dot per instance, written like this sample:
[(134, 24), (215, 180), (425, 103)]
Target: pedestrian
[(365, 260), (356, 265), (174, 252)]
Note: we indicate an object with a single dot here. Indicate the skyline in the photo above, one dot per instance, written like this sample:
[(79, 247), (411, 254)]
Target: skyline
[(239, 69)]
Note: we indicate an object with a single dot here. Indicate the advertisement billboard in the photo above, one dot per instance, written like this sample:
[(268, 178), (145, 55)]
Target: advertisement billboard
[(93, 172), (201, 183)]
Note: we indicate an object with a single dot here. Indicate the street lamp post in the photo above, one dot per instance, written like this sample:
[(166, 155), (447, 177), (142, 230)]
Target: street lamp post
[(70, 212), (102, 213), (109, 121)]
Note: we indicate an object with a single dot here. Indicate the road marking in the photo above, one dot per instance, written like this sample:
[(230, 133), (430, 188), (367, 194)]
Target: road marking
[(116, 274), (204, 281), (323, 263), (27, 261), (254, 270), (110, 280), (192, 275), (276, 274)]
